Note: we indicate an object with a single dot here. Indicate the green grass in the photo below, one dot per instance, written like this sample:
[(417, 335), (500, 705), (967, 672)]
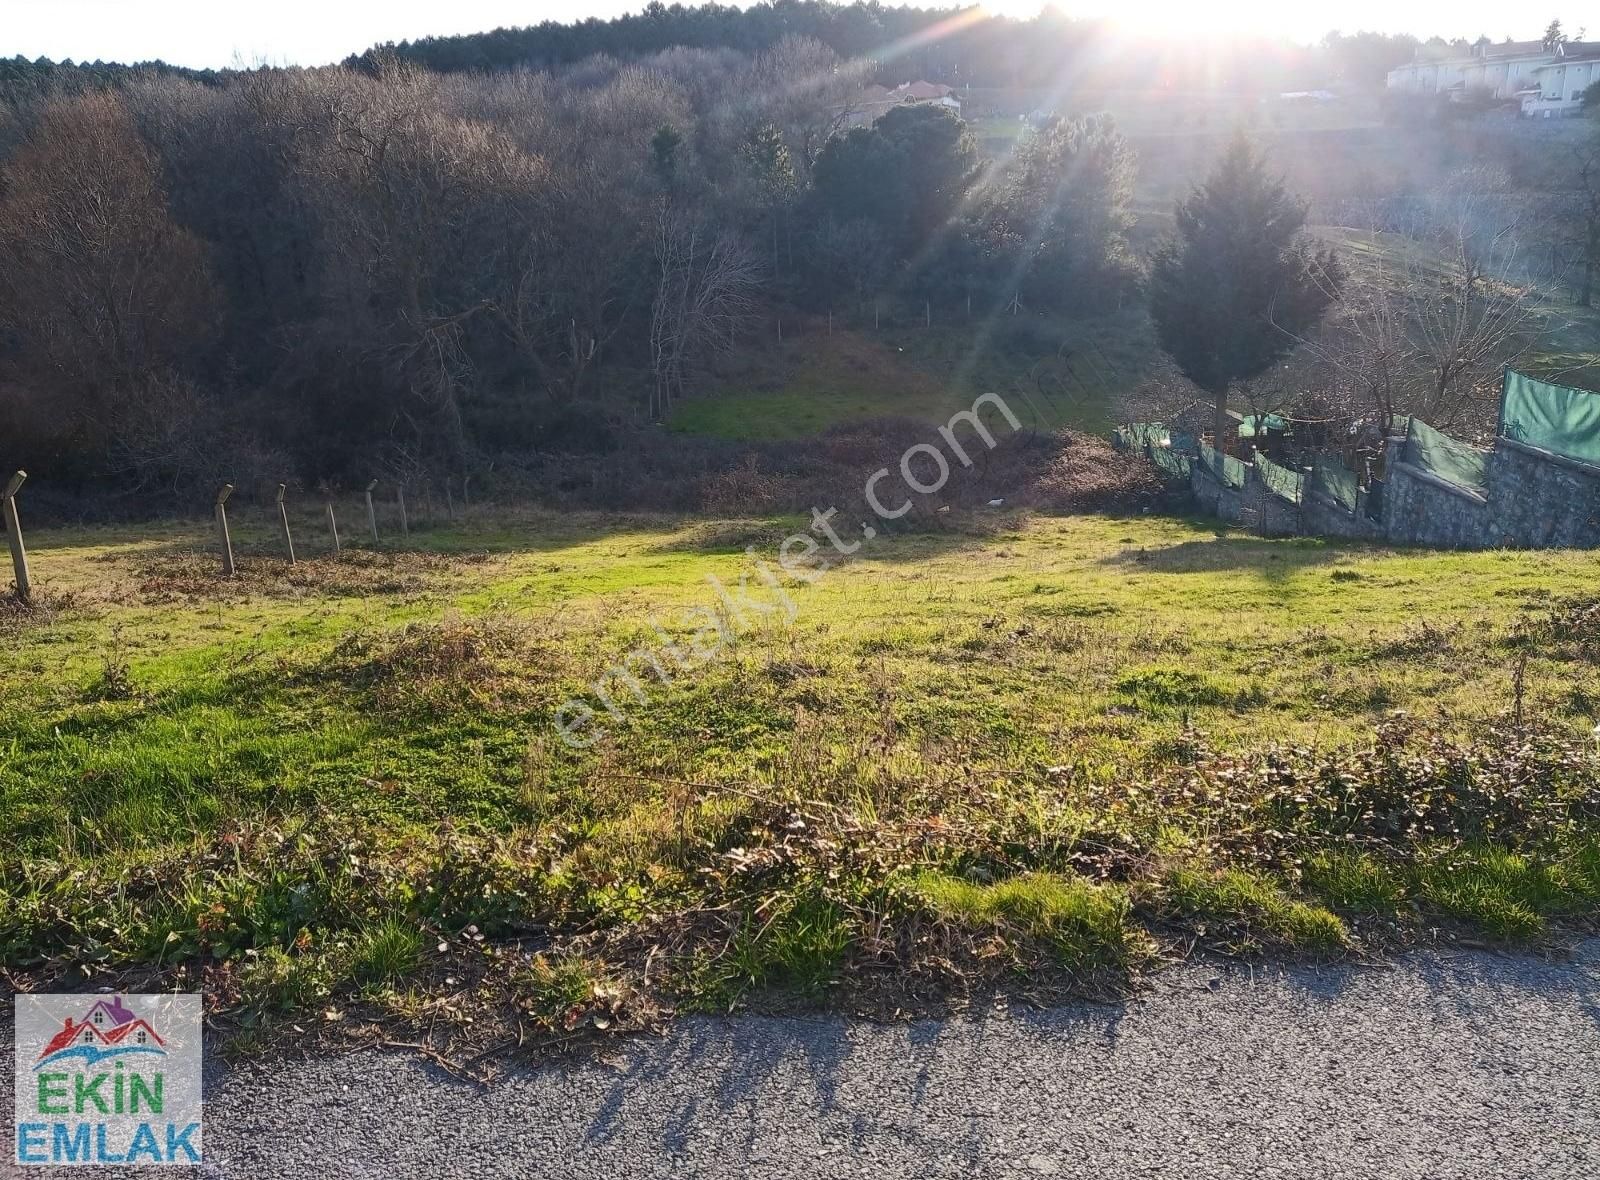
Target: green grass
[(1056, 371), (303, 783), (1252, 911), (1088, 926)]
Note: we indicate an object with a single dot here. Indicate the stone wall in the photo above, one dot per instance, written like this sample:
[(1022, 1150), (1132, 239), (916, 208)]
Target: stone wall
[(1321, 516), (1205, 489), (1215, 498), (1265, 512), (1541, 501), (1532, 499), (1419, 508)]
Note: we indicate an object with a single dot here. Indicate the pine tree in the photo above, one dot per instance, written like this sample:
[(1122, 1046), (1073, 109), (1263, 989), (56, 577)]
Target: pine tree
[(1240, 284)]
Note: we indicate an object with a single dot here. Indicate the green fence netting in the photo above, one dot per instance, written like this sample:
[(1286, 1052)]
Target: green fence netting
[(1281, 480), (1335, 481), (1446, 457), (1252, 425), (1136, 436), (1171, 462), (1554, 418), (1224, 468)]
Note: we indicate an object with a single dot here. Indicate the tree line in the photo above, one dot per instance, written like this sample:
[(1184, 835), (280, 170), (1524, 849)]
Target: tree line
[(330, 272), (957, 44)]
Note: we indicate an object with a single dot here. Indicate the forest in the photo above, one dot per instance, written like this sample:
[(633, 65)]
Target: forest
[(334, 271), (481, 253)]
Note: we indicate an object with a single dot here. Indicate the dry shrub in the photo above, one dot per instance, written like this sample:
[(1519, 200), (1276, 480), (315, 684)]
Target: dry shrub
[(481, 662), (17, 616), (745, 488), (1086, 474), (194, 575)]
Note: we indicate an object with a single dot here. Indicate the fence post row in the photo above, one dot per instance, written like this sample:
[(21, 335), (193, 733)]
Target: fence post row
[(372, 513), (222, 530), (283, 519), (19, 553)]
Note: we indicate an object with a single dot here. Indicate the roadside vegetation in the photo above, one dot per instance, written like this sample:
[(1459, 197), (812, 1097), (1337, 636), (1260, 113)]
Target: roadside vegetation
[(1006, 751)]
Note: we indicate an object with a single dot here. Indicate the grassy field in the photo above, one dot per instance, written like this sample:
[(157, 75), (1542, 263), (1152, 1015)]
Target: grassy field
[(1070, 372), (1019, 749)]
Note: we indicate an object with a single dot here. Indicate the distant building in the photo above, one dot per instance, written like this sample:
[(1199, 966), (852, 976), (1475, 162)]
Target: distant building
[(1544, 82), (1560, 87), (875, 101)]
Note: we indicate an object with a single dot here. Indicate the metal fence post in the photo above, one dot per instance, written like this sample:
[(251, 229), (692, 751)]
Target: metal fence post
[(400, 498), (333, 527), (372, 513), (283, 520), (19, 553), (222, 530)]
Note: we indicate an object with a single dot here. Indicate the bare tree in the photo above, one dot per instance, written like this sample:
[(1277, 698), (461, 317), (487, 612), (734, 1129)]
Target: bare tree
[(104, 292), (705, 288), (1578, 183), (1434, 312)]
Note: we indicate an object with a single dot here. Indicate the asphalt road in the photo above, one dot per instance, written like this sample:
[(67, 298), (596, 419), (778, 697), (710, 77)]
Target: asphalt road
[(1469, 1066)]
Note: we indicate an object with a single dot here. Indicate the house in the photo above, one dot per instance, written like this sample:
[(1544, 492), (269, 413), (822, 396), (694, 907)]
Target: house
[(876, 101), (1541, 79), (108, 1022), (1560, 85), (109, 1014)]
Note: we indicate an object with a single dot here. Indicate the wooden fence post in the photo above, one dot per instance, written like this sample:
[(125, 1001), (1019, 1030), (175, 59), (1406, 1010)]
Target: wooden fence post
[(400, 498), (372, 513), (283, 520), (19, 553), (222, 530), (333, 527)]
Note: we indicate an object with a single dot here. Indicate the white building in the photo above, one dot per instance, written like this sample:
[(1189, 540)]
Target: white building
[(1545, 81), (876, 101), (1560, 87)]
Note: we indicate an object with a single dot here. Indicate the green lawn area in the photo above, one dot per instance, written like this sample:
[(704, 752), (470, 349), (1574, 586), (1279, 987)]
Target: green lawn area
[(1061, 372), (1018, 744)]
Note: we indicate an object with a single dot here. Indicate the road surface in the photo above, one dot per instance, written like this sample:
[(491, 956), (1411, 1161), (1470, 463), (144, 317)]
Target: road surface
[(1468, 1065)]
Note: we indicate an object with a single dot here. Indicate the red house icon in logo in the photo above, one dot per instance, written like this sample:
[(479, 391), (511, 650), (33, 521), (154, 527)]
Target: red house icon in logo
[(109, 1028)]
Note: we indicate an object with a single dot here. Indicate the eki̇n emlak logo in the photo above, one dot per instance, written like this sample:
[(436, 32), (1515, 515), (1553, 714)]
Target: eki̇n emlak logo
[(108, 1087)]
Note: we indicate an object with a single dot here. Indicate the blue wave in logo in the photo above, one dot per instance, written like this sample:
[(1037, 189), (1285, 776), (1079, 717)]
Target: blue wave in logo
[(94, 1056)]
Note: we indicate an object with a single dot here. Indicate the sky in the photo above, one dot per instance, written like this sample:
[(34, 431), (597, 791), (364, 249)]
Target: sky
[(298, 32)]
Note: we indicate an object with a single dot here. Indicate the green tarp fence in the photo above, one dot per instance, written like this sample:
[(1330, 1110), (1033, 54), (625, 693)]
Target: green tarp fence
[(1281, 480), (1252, 425), (1448, 458), (1554, 418), (1335, 481), (1224, 468), (1136, 436), (1171, 462)]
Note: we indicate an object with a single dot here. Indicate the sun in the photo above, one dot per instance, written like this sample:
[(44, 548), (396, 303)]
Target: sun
[(1159, 17)]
